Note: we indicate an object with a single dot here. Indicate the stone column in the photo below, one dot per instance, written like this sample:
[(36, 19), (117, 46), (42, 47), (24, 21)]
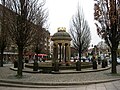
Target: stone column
[(55, 59), (63, 52), (60, 44), (55, 53), (66, 52), (69, 54)]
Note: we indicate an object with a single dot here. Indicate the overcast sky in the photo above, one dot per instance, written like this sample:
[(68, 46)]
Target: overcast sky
[(61, 11)]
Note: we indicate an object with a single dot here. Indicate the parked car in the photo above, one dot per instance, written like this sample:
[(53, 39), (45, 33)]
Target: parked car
[(83, 59), (118, 60)]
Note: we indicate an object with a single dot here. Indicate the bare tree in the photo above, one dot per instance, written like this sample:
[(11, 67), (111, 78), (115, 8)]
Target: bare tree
[(3, 33), (80, 33), (21, 22), (38, 44), (40, 21), (107, 14), (39, 37)]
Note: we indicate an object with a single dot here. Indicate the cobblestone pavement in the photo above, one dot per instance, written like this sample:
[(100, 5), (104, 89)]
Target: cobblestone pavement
[(102, 86), (7, 74)]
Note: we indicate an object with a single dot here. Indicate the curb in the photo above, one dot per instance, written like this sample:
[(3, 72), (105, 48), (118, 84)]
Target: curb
[(70, 72), (51, 84), (15, 69), (86, 71)]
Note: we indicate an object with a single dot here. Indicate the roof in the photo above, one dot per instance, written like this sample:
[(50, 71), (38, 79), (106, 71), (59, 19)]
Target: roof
[(61, 35)]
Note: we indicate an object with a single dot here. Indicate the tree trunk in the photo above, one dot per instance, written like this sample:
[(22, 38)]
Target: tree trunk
[(3, 43), (114, 61), (1, 59), (80, 55), (114, 49), (78, 64), (113, 22), (35, 67), (20, 61), (80, 58)]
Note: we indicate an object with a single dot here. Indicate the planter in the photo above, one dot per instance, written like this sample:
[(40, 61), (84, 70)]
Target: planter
[(99, 60), (35, 66), (106, 63), (94, 65), (56, 66), (78, 66), (103, 64), (15, 64)]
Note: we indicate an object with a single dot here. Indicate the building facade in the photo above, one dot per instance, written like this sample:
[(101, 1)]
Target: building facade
[(11, 48)]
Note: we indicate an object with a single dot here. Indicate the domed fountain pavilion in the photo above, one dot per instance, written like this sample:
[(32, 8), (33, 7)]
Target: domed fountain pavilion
[(61, 45)]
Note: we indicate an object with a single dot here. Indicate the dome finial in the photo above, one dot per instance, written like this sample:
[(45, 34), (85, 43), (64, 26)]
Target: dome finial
[(61, 29)]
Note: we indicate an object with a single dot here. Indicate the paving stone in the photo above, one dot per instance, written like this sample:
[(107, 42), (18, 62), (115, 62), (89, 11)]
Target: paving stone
[(118, 87), (100, 88), (100, 85), (7, 74)]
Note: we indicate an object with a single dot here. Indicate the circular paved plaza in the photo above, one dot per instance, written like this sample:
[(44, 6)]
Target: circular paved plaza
[(58, 79)]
